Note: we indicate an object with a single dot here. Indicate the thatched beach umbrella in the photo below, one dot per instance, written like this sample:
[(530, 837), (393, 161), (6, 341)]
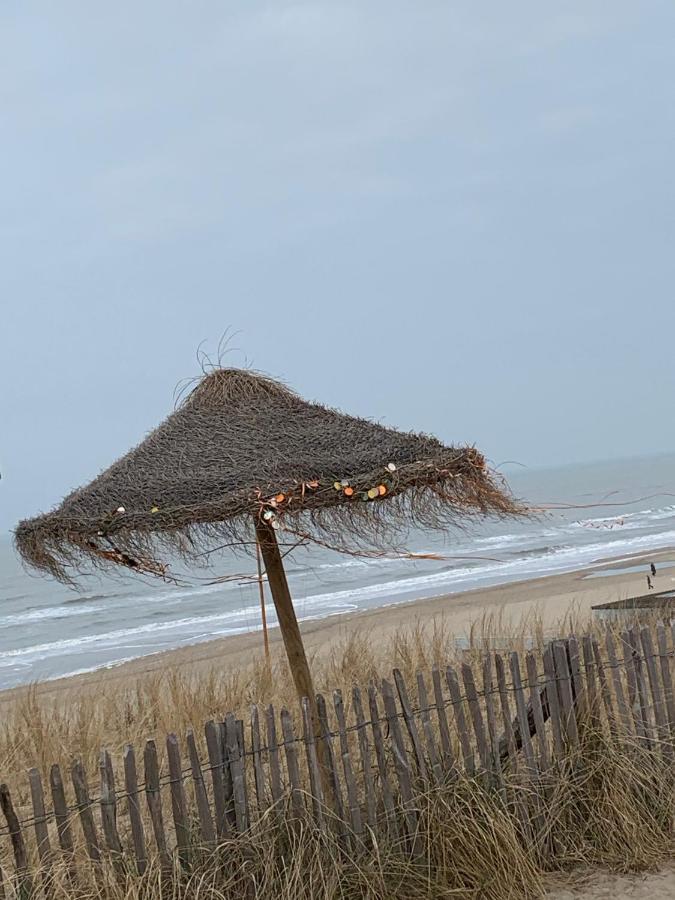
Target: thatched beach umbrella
[(243, 458)]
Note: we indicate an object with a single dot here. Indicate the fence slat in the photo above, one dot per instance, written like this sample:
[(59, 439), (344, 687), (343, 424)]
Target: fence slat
[(330, 764), (79, 780), (631, 681), (427, 729), (401, 764), (134, 809), (206, 829), (664, 661), (153, 797), (258, 769), (655, 688), (460, 720), (491, 719), (178, 801), (215, 752), (564, 679), (237, 773), (476, 716), (63, 829), (347, 768), (378, 743), (39, 816), (579, 701), (292, 763), (591, 679), (364, 753), (411, 724), (521, 710), (624, 712), (228, 786), (553, 701), (641, 681), (316, 787), (604, 688), (507, 744), (537, 710), (273, 755), (108, 803), (241, 741), (443, 729), (18, 843)]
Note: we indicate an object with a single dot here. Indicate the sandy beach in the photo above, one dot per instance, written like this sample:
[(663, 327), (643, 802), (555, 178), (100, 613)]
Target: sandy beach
[(548, 599)]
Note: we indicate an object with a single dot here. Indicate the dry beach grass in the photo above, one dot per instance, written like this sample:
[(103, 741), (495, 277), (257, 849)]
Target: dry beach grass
[(609, 804)]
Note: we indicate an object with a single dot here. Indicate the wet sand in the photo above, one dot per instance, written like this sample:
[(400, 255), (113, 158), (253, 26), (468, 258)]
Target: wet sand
[(550, 599)]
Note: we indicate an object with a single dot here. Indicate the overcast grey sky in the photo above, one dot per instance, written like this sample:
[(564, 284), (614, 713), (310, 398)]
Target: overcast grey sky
[(453, 217)]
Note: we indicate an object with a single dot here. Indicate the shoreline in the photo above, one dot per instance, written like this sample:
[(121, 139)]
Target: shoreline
[(550, 598)]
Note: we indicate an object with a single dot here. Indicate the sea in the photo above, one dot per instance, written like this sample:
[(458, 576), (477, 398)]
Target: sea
[(587, 514)]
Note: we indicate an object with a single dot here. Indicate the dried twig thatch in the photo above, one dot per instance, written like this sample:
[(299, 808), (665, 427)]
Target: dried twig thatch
[(241, 445)]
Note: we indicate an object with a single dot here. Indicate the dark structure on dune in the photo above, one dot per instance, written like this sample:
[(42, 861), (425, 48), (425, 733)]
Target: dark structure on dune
[(242, 458)]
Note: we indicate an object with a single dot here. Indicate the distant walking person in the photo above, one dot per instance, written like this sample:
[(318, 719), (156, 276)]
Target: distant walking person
[(649, 583), (653, 568)]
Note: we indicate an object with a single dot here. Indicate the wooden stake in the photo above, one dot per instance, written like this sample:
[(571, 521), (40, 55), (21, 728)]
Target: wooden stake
[(263, 612), (288, 622)]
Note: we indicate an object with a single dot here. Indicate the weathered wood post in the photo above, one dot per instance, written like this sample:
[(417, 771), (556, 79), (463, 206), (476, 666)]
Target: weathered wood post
[(288, 621)]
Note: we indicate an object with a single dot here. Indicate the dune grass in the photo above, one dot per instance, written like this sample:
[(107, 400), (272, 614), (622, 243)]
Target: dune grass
[(608, 803)]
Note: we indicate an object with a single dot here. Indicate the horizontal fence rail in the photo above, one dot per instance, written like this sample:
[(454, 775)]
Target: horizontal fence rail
[(506, 721)]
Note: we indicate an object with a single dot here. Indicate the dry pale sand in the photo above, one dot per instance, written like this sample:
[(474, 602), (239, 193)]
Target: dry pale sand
[(550, 598), (603, 886)]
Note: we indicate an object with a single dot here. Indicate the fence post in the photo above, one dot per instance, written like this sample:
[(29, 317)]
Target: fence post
[(108, 805), (135, 818), (378, 743), (427, 729), (348, 771), (258, 770), (491, 717), (63, 828), (410, 723), (664, 660), (613, 663), (537, 711), (84, 806), (39, 816), (206, 829), (402, 765), (568, 712), (364, 750), (178, 801), (273, 755), (237, 773), (154, 799), (476, 716), (312, 762), (18, 844), (292, 764), (333, 776), (460, 720), (444, 731)]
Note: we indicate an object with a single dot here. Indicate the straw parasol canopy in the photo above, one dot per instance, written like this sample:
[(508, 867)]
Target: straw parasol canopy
[(242, 450), (243, 457)]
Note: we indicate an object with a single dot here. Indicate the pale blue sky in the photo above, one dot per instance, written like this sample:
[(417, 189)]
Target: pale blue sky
[(455, 217)]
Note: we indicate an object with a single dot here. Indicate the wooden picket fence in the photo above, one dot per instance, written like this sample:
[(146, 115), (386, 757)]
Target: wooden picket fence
[(382, 749)]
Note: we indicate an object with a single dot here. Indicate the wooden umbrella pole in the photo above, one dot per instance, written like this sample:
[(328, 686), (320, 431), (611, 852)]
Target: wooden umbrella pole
[(263, 611), (290, 631), (288, 622)]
